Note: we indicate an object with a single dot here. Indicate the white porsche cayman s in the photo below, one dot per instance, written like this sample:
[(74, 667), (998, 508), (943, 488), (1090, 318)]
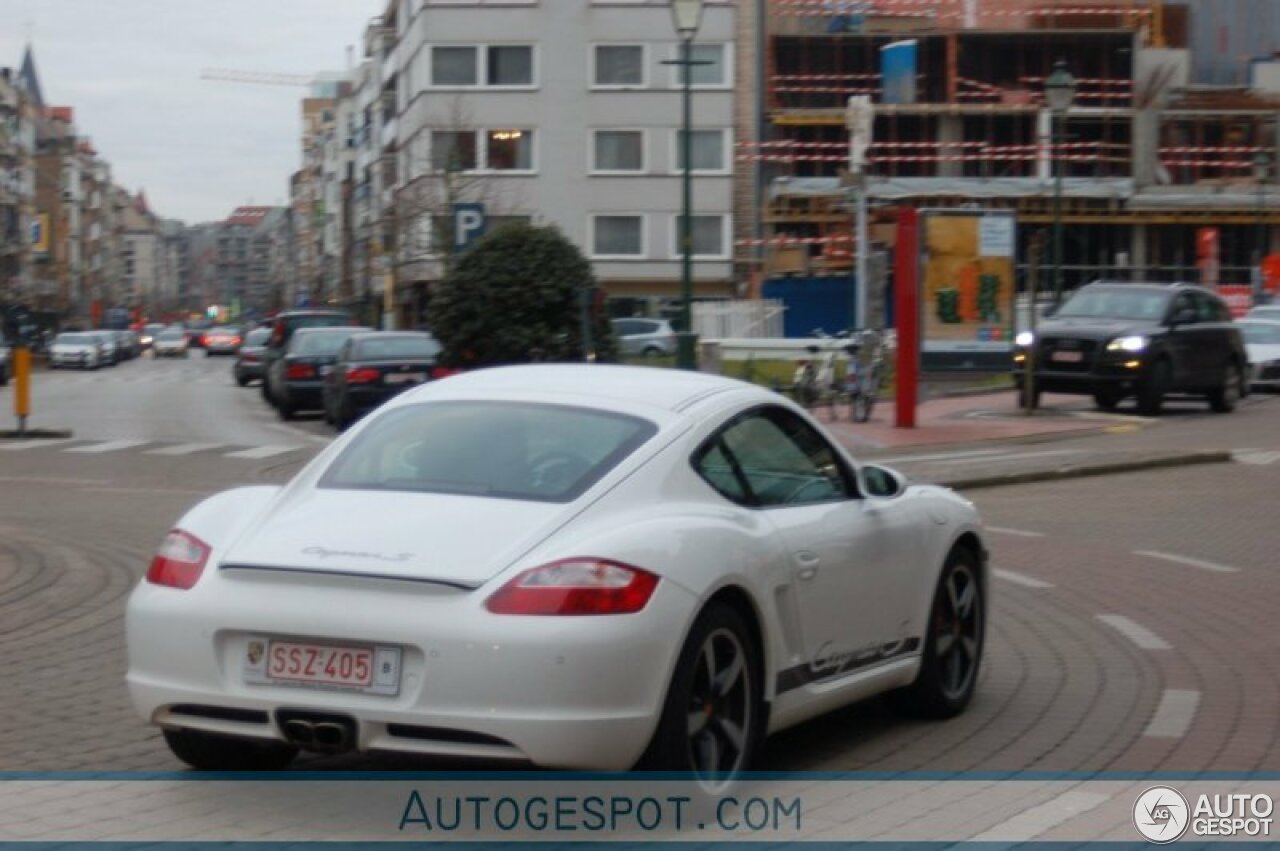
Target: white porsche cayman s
[(580, 566)]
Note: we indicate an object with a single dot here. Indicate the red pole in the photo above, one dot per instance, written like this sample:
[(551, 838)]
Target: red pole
[(906, 314)]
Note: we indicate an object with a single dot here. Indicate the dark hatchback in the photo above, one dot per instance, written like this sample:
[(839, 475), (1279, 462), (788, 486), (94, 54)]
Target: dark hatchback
[(1111, 341), (372, 368), (298, 377), (249, 365)]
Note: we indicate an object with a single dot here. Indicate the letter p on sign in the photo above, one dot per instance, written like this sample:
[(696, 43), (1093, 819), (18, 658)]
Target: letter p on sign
[(469, 223)]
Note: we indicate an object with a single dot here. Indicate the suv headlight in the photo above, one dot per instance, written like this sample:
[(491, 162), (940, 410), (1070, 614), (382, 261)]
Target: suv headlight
[(1024, 338), (1127, 344)]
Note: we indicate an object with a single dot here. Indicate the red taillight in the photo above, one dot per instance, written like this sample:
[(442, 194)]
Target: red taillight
[(235, 341), (299, 371), (179, 561), (444, 372), (576, 586), (362, 375)]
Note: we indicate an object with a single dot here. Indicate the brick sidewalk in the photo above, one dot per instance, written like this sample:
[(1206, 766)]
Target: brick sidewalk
[(967, 419)]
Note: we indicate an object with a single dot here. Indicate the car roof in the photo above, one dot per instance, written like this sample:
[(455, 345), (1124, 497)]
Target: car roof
[(595, 384), (365, 334), (331, 329)]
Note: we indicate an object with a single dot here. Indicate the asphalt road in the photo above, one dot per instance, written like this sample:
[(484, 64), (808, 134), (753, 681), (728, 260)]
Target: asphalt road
[(1130, 630)]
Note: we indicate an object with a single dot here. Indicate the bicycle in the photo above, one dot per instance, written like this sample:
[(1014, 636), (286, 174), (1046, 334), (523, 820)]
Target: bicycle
[(814, 380), (862, 384)]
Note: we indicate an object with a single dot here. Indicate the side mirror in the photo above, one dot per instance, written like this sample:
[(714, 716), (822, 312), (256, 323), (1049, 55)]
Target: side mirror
[(1050, 311), (881, 482)]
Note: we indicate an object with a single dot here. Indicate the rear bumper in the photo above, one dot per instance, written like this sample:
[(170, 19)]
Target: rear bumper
[(249, 370), (304, 395)]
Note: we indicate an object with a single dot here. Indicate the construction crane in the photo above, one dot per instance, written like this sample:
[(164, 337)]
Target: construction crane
[(262, 78)]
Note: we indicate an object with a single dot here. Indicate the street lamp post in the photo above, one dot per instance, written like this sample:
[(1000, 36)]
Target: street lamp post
[(1261, 168), (1059, 94), (686, 15)]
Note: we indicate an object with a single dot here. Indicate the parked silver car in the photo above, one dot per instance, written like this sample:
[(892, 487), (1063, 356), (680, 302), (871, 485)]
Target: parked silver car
[(648, 337)]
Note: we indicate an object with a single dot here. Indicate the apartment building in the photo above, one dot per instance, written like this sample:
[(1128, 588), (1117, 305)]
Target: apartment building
[(18, 111), (559, 112)]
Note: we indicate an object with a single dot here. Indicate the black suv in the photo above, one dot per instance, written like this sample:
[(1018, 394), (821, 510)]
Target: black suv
[(1145, 340)]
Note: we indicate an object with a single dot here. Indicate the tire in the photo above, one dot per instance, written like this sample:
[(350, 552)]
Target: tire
[(652, 352), (1106, 400), (4, 377), (941, 690), (213, 752), (1225, 397), (285, 410), (731, 730), (242, 380), (1151, 393)]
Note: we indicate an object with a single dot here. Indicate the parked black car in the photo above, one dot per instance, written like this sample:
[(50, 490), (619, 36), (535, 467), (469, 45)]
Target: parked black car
[(283, 327), (248, 366), (1150, 341), (371, 368), (297, 379)]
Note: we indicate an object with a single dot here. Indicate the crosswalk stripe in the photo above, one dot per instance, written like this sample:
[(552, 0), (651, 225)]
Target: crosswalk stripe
[(184, 449), (20, 445), (1021, 579), (259, 452), (109, 446)]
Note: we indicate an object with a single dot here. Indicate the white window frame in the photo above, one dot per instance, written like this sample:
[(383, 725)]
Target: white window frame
[(726, 145), (482, 151), (673, 79), (726, 238), (644, 83), (644, 235), (482, 67), (609, 172)]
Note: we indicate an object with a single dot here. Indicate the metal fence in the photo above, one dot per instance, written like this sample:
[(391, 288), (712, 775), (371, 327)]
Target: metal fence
[(738, 319)]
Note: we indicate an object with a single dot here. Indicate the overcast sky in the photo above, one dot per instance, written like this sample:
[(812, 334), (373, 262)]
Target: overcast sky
[(131, 69)]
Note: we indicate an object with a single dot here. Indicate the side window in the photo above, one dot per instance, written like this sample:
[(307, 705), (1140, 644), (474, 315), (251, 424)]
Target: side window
[(783, 460), (1221, 312), (1183, 303), (714, 466), (1205, 309)]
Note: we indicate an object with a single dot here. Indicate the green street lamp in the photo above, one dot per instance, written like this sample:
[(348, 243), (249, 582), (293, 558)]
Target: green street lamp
[(686, 16), (1059, 94)]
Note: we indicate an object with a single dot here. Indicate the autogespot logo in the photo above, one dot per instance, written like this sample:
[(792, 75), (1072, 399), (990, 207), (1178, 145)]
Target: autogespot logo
[(1161, 814)]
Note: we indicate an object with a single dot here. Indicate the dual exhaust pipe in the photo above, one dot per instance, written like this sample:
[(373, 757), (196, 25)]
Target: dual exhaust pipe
[(316, 732)]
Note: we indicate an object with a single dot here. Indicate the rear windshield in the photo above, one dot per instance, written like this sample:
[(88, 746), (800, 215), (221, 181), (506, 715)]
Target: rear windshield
[(319, 344), (1260, 333), (257, 337), (396, 347), (510, 450), (72, 339), (172, 335), (1117, 304)]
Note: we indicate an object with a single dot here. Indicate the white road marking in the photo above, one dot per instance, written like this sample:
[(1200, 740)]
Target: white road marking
[(109, 446), (1021, 579), (1191, 562), (259, 452), (899, 459), (1042, 818), (1174, 714), (184, 449), (1020, 533), (1253, 456), (20, 445), (297, 432), (1135, 632)]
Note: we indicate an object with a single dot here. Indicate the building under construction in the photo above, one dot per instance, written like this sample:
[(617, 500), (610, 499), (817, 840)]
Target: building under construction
[(1145, 155)]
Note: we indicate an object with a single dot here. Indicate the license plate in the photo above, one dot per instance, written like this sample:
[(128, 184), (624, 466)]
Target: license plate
[(1068, 357), (373, 670), (405, 378)]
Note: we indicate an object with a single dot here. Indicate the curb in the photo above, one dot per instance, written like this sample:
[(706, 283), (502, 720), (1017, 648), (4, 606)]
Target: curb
[(1086, 470), (37, 434)]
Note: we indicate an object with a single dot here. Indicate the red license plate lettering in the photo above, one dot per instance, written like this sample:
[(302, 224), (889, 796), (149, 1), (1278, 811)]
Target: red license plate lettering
[(316, 663)]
